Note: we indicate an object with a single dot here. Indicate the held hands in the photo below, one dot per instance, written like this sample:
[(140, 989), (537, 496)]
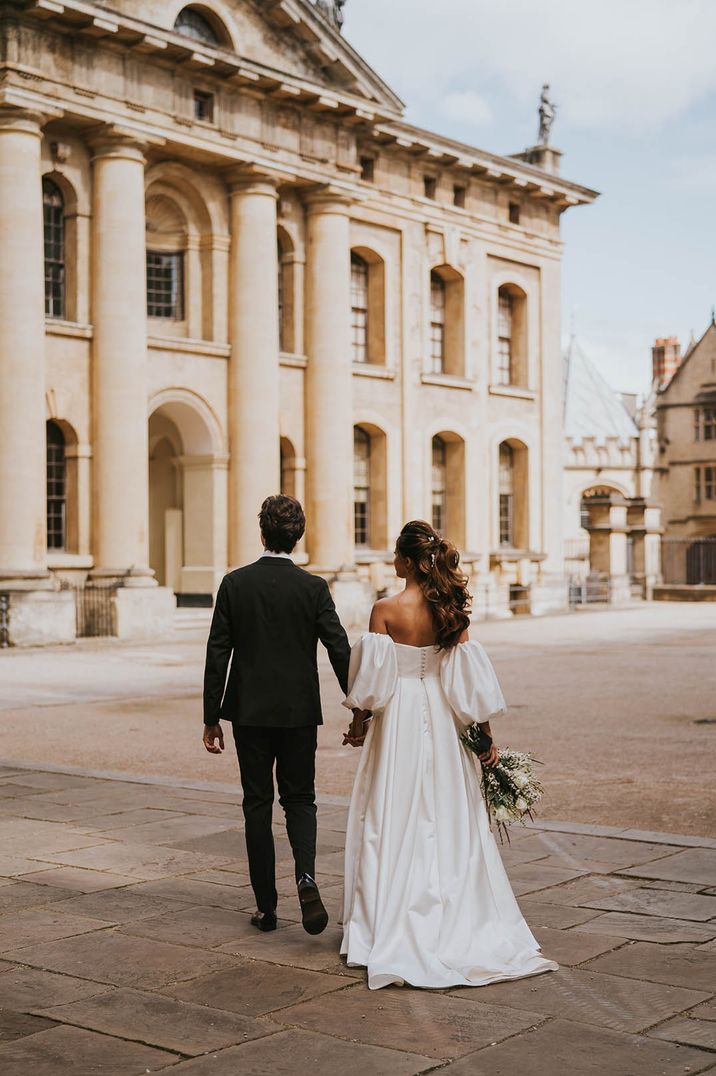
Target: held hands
[(357, 729), (213, 739)]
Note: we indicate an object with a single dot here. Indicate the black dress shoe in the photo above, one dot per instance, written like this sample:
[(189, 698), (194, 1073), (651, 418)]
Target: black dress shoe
[(315, 916), (264, 920)]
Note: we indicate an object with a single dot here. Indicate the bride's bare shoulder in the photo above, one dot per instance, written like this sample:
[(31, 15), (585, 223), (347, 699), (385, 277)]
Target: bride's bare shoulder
[(379, 615)]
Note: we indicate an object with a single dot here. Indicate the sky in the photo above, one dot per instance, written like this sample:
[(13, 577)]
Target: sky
[(635, 86)]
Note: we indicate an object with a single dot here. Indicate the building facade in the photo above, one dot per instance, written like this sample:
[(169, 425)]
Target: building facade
[(611, 519), (230, 266), (685, 410)]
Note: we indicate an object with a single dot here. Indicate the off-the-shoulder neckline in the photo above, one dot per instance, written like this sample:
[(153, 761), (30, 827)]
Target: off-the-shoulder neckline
[(411, 646)]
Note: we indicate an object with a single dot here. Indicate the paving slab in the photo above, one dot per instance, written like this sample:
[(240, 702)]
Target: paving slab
[(650, 928), (690, 1032), (675, 965), (192, 828), (286, 1053), (193, 890), (140, 861), (563, 1046), (77, 879), (31, 989), (689, 865), (159, 1021), (694, 906), (112, 957), (57, 1050), (253, 988), (294, 948), (121, 905), (445, 1027), (592, 887), (16, 1025), (705, 1011), (23, 895), (42, 925), (590, 998), (202, 927), (574, 847), (573, 946), (541, 914), (530, 877), (120, 820)]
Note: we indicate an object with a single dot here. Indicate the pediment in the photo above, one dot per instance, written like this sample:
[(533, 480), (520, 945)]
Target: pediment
[(293, 38)]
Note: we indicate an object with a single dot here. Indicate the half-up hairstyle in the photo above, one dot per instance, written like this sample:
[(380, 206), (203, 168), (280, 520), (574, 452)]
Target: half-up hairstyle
[(436, 566)]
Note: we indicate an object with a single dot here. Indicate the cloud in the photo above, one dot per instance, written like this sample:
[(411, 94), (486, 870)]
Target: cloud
[(630, 65), (466, 107)]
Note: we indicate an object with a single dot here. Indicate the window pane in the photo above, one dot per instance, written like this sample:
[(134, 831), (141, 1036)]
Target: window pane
[(503, 365), (506, 535), (56, 503), (710, 424), (439, 484), (437, 324), (54, 225), (361, 487), (165, 284), (281, 300), (192, 24), (359, 308), (506, 494)]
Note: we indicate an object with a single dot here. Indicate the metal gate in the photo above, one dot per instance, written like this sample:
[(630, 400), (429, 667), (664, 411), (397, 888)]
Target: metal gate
[(93, 607)]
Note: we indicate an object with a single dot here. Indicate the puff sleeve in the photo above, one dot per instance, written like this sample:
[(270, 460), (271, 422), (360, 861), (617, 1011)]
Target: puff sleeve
[(372, 674), (470, 683)]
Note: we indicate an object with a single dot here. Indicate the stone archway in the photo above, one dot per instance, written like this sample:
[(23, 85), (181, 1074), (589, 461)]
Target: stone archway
[(187, 498)]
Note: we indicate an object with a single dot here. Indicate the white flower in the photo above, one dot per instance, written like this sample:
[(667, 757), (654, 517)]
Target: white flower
[(521, 803), (520, 780), (502, 814)]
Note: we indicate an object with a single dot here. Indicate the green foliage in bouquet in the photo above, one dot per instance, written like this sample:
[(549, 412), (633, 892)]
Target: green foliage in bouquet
[(510, 788)]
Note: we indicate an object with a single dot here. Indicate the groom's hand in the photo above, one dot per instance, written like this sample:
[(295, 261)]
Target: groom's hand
[(213, 739), (357, 729)]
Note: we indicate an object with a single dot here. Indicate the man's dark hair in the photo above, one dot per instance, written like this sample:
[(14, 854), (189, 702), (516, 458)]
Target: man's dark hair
[(282, 523)]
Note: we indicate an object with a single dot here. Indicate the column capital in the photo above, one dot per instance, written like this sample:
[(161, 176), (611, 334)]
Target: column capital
[(21, 112), (117, 141), (327, 199), (250, 179)]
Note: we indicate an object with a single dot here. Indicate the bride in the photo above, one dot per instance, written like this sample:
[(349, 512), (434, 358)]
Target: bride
[(427, 900)]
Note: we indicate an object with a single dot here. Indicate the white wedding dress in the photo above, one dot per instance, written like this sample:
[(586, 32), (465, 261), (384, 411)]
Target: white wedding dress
[(427, 899)]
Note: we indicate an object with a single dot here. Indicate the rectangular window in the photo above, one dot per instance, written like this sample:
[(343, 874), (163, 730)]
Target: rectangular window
[(439, 485), (54, 259), (367, 169), (361, 487), (203, 106), (506, 519), (697, 485), (430, 186), (710, 483), (697, 424), (165, 284), (437, 324), (458, 196), (513, 212), (359, 309), (710, 424)]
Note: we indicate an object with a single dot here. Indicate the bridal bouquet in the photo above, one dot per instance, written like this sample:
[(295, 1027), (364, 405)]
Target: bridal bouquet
[(510, 788)]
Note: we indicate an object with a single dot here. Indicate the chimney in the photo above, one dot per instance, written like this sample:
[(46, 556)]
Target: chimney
[(665, 359)]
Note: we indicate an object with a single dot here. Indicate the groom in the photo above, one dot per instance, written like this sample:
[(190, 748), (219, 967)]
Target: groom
[(268, 619)]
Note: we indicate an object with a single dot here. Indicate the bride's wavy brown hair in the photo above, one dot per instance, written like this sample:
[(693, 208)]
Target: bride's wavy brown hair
[(436, 564)]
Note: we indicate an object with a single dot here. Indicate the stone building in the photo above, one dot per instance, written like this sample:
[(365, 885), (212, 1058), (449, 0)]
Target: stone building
[(611, 521), (258, 275), (686, 466)]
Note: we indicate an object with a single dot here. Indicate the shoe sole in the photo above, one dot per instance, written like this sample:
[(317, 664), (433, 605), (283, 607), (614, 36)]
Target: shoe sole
[(315, 916), (264, 929)]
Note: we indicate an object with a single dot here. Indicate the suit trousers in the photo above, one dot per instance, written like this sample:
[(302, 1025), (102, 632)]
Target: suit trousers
[(293, 750)]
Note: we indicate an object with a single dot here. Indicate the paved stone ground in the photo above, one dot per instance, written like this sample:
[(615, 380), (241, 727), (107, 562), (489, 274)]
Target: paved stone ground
[(126, 948)]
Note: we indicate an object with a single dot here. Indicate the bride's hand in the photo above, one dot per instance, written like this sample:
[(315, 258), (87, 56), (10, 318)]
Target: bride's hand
[(357, 729), (491, 757)]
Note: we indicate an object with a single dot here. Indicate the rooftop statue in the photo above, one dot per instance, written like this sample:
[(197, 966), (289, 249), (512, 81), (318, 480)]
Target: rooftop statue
[(333, 11), (547, 112)]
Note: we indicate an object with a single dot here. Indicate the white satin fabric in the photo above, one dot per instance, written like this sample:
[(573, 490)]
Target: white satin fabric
[(427, 899)]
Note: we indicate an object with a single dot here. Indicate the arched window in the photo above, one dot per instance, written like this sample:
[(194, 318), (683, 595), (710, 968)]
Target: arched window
[(192, 23), (511, 358), (286, 286), (53, 206), (437, 323), (361, 487), (166, 232), (288, 468), (439, 485), (359, 308), (506, 494), (56, 488)]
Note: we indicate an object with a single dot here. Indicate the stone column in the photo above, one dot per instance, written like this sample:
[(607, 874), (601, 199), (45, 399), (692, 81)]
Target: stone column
[(36, 613), (22, 348), (120, 478), (254, 469), (608, 544), (328, 394), (644, 520)]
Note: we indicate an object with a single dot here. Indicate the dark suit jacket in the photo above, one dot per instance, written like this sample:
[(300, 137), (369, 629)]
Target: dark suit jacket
[(268, 619)]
